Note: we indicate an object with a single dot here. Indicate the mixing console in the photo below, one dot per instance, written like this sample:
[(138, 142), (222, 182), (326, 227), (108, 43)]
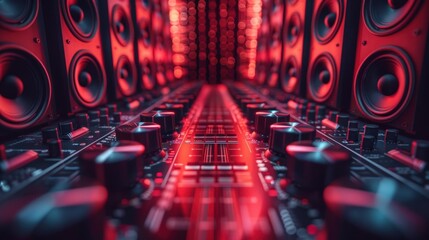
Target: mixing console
[(214, 162)]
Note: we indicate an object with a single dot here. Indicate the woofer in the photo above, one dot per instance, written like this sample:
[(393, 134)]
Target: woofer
[(87, 78), (290, 79), (81, 17), (327, 20), (144, 32), (25, 88), (386, 17), (125, 76), (294, 28), (322, 77), (147, 77), (121, 25), (18, 14), (384, 84)]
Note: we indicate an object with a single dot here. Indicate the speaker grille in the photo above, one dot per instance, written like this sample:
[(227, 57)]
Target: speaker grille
[(18, 14), (384, 84), (25, 89), (121, 25), (88, 81), (327, 20), (81, 17), (322, 77), (387, 17)]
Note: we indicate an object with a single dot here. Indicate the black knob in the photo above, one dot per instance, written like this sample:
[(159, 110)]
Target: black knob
[(104, 120), (353, 134), (94, 114), (82, 120), (117, 117), (185, 102), (313, 165), (391, 135), (112, 108), (176, 108), (371, 130), (284, 133), (245, 101), (311, 115), (252, 108), (342, 120), (333, 115), (377, 210), (367, 143), (55, 148), (49, 133), (117, 167), (146, 133), (320, 111), (104, 111), (165, 119), (311, 105), (353, 124), (264, 120), (66, 127), (420, 149)]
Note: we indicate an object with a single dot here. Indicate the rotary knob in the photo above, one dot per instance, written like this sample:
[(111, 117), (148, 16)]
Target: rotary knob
[(176, 108), (118, 167), (252, 108), (264, 120), (146, 133), (284, 133), (165, 119), (313, 165)]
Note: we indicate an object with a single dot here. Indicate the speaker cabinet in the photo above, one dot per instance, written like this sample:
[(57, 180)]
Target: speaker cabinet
[(391, 72), (295, 45), (142, 13), (76, 52), (118, 29), (159, 43), (261, 68), (332, 51), (25, 79), (275, 43)]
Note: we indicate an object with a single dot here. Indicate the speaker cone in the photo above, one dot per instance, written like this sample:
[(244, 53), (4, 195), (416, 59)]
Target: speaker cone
[(290, 78), (125, 76), (121, 25), (386, 17), (384, 83), (25, 89), (145, 3), (322, 77), (18, 14), (81, 17), (327, 20), (144, 32), (88, 80), (293, 29), (147, 78)]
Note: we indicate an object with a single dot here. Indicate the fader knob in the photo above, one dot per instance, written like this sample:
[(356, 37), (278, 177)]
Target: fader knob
[(367, 143), (66, 127), (146, 133), (284, 133), (420, 149), (371, 130), (320, 111), (333, 115), (94, 114), (163, 118), (391, 135), (117, 117), (353, 124), (117, 167), (112, 108), (313, 165), (49, 133), (104, 111), (353, 134), (176, 108), (104, 120), (342, 120), (82, 120), (311, 115), (55, 148), (264, 120)]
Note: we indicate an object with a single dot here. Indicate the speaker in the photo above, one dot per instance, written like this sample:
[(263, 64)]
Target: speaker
[(25, 79), (158, 44), (275, 43), (118, 47), (390, 82), (332, 51), (261, 68), (142, 13), (74, 39), (295, 45)]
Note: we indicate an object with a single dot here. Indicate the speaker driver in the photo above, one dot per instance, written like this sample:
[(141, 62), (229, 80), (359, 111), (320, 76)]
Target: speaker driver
[(25, 89), (18, 14), (384, 83), (126, 76), (81, 17), (144, 33), (121, 25), (386, 17), (147, 78), (327, 20), (293, 29), (88, 80), (145, 3), (322, 77), (290, 79)]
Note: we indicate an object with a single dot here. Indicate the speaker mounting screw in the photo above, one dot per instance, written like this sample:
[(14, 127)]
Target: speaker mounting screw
[(68, 41), (364, 42), (36, 40)]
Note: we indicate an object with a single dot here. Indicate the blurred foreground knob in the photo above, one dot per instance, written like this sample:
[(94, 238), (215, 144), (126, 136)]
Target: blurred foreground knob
[(146, 133), (284, 133), (163, 118), (264, 120), (176, 108)]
